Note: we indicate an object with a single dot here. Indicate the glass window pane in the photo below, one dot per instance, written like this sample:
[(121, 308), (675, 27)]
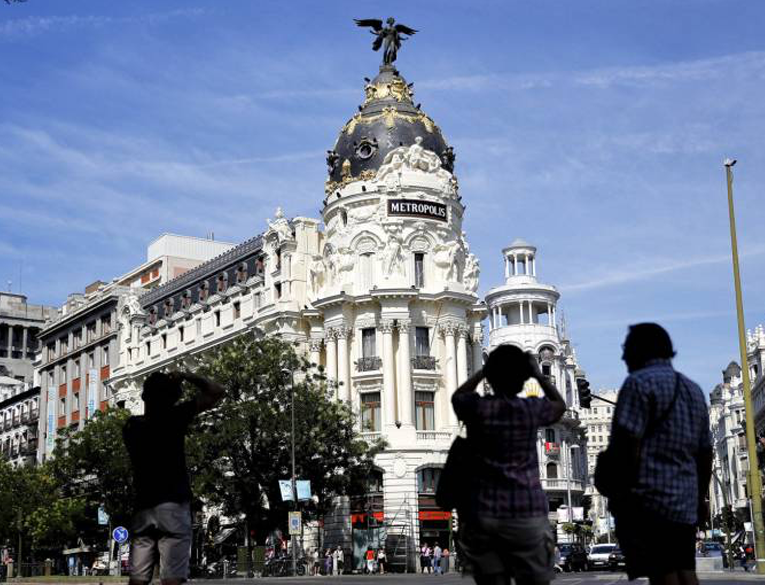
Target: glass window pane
[(422, 341), (368, 340), (419, 270)]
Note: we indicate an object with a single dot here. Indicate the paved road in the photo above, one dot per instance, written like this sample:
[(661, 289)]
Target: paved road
[(592, 578)]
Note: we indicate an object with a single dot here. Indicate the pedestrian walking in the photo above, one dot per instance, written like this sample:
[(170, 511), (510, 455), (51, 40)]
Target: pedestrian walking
[(328, 562), (381, 560), (445, 560), (425, 552), (437, 559), (369, 557), (658, 464), (504, 529), (155, 443), (316, 568)]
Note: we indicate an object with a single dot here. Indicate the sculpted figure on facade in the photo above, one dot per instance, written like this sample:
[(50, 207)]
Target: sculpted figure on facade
[(472, 272), (280, 226), (345, 265), (393, 256), (449, 258), (316, 272)]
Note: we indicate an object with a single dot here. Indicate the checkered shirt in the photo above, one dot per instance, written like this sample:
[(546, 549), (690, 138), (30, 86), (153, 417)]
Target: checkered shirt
[(503, 435), (667, 480)]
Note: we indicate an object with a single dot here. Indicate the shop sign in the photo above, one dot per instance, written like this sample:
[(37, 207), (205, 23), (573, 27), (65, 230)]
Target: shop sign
[(417, 208)]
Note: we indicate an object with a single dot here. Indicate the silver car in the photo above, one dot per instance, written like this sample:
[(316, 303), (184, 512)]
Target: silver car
[(598, 557)]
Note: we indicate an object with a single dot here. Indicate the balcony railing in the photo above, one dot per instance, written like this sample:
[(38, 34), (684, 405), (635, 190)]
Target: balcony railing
[(434, 436), (424, 362), (24, 417), (368, 364), (562, 484)]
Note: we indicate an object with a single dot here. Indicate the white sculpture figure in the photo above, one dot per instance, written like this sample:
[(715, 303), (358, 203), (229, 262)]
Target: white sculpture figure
[(345, 264), (316, 274), (281, 226), (472, 271), (393, 255), (415, 154), (448, 257)]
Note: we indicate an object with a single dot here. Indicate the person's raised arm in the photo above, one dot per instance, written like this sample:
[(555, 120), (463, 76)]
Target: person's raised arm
[(551, 392), (471, 383), (209, 393)]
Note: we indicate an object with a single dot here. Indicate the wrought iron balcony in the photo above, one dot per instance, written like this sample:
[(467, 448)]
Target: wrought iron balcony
[(424, 362), (368, 364)]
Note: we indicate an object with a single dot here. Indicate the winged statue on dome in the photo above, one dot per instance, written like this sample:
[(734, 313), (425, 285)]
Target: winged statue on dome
[(388, 37)]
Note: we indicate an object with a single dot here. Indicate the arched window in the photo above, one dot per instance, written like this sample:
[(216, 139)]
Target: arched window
[(552, 471), (366, 271), (427, 480)]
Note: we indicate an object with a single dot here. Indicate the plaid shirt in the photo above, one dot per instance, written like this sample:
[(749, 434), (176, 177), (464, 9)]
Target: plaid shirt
[(503, 434), (667, 480)]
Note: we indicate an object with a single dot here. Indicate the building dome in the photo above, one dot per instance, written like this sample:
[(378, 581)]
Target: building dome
[(387, 120)]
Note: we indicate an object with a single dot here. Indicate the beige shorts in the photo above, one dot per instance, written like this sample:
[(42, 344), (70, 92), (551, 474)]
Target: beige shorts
[(164, 531)]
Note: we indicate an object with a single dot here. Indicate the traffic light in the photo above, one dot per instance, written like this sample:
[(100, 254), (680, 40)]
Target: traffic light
[(585, 395)]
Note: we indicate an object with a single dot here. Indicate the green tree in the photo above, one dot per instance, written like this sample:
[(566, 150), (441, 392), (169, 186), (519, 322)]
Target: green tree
[(34, 512), (93, 464), (240, 450)]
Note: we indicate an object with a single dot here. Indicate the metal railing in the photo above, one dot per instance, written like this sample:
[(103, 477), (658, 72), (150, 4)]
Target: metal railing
[(424, 362), (368, 364), (562, 484), (434, 436)]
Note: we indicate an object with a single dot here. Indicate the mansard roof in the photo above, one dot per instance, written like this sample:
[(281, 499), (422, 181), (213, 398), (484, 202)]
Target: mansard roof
[(205, 270)]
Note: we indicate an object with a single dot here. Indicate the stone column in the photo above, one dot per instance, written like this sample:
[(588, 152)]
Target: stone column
[(515, 264), (389, 373), (531, 312), (520, 309), (462, 365), (10, 341), (507, 267), (315, 351), (450, 368), (477, 350), (343, 371), (405, 398), (331, 355)]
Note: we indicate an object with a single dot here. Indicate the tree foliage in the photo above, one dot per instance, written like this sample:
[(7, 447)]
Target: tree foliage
[(33, 507), (240, 450), (93, 463)]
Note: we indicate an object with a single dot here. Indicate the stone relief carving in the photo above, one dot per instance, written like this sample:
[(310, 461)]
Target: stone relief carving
[(316, 275), (472, 271), (393, 254), (345, 264), (449, 259), (414, 157)]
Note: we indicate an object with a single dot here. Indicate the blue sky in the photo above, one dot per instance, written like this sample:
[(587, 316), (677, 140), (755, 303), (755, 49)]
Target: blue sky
[(594, 129)]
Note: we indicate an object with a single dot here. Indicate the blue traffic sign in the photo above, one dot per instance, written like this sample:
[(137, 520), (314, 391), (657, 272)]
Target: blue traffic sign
[(120, 534)]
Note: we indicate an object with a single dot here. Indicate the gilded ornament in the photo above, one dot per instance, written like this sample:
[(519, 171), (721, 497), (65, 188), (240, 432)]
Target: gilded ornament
[(345, 172)]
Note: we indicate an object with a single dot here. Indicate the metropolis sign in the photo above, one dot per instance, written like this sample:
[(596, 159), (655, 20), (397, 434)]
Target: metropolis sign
[(414, 208)]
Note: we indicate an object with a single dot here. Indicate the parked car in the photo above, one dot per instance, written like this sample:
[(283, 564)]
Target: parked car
[(573, 557), (616, 560), (598, 557)]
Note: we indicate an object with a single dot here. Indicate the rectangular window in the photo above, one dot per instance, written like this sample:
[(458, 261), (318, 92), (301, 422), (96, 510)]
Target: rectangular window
[(75, 401), (77, 339), (424, 411), (91, 360), (64, 345), (217, 318), (62, 406), (419, 269), (422, 341), (237, 310), (105, 356), (550, 435), (51, 351), (50, 378), (180, 333), (76, 368), (278, 291), (368, 342), (91, 331), (106, 324), (370, 412), (63, 375)]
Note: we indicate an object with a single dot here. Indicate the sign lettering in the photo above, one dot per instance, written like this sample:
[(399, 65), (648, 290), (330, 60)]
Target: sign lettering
[(415, 208)]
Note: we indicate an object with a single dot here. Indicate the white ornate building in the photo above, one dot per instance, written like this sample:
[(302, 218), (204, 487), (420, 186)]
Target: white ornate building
[(731, 461), (522, 312), (383, 295)]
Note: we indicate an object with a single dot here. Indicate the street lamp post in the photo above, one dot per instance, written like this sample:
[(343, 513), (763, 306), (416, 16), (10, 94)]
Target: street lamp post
[(755, 485), (293, 481)]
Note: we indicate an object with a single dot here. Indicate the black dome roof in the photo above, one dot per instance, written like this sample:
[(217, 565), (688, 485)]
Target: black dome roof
[(388, 119)]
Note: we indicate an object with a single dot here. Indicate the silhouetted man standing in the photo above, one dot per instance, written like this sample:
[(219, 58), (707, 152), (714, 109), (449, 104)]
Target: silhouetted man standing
[(660, 434), (155, 442)]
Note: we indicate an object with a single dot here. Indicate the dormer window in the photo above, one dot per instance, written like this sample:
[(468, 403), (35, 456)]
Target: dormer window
[(204, 291), (241, 273), (221, 283), (186, 300), (169, 307)]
